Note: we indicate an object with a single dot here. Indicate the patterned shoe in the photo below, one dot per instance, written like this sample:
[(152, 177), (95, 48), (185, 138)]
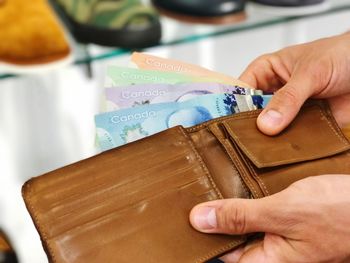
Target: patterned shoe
[(122, 23), (31, 37), (7, 255)]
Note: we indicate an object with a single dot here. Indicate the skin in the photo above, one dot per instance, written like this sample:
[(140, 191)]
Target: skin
[(309, 222)]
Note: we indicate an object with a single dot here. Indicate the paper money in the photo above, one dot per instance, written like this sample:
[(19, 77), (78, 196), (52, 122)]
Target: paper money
[(141, 94), (121, 76), (128, 125), (146, 61)]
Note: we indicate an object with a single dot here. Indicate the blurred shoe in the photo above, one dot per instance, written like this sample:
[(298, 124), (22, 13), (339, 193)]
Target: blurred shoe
[(31, 37), (203, 11), (289, 3), (291, 7), (117, 23), (7, 254)]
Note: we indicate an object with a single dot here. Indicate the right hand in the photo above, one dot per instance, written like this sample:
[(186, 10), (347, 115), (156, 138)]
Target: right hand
[(319, 69), (308, 222)]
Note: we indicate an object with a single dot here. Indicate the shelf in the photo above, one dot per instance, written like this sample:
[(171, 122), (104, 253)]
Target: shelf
[(175, 32)]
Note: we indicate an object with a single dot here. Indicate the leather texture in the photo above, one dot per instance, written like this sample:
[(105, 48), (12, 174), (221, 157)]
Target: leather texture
[(132, 203)]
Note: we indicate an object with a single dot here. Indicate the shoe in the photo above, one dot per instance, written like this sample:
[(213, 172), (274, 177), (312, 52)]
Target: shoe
[(116, 23), (203, 11), (291, 7), (7, 254), (32, 39)]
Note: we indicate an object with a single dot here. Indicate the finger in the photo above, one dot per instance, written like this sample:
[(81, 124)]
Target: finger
[(284, 106), (241, 216), (233, 257), (255, 254), (266, 73)]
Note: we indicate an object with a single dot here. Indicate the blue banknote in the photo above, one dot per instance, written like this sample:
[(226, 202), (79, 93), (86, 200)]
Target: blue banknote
[(127, 125)]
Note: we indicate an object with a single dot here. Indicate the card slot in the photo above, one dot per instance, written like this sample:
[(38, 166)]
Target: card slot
[(143, 227), (105, 204), (198, 187), (96, 182), (115, 186)]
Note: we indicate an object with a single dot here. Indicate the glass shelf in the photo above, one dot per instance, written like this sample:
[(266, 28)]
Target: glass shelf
[(176, 32)]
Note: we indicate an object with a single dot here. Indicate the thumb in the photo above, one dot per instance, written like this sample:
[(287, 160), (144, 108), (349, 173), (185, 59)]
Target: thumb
[(240, 216), (284, 106)]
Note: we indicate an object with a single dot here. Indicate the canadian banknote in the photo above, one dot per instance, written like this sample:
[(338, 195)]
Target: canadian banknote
[(141, 94), (121, 76), (147, 61), (128, 125)]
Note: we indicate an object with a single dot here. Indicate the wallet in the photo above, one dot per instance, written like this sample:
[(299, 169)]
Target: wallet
[(132, 203)]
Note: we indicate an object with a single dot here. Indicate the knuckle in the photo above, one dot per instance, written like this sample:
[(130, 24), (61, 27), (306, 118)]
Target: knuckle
[(288, 95), (232, 219)]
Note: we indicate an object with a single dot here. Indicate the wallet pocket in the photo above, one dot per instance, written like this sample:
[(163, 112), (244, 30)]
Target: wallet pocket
[(130, 204), (312, 145)]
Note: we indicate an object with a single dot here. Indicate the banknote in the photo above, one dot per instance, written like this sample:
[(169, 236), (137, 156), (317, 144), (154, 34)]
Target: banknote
[(147, 61), (122, 76), (141, 94), (128, 125)]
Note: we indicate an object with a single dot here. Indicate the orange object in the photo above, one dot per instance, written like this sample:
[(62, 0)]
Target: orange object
[(30, 34)]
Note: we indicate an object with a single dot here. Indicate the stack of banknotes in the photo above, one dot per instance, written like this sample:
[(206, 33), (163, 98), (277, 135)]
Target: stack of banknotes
[(160, 93)]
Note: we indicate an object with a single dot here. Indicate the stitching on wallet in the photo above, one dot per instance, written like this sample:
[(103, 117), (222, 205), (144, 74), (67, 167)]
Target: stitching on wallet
[(242, 145), (238, 164), (219, 251), (199, 159), (39, 226), (227, 148), (333, 129), (256, 175), (243, 173)]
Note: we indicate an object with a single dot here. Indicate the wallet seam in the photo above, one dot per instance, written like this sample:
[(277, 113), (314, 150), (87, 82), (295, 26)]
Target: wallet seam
[(206, 171), (199, 159), (39, 226), (221, 142), (252, 157), (238, 164), (219, 251), (231, 153), (255, 175)]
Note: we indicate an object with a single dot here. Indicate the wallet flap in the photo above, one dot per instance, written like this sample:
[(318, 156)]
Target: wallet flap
[(295, 144)]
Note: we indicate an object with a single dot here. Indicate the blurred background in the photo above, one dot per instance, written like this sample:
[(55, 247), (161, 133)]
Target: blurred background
[(53, 57)]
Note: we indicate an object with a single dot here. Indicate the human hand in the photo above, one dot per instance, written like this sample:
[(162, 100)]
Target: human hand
[(319, 69), (309, 222)]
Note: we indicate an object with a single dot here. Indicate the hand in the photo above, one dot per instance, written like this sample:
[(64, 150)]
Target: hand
[(309, 222), (320, 69)]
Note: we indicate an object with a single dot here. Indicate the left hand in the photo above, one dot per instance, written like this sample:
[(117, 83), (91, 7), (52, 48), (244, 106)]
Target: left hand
[(309, 222)]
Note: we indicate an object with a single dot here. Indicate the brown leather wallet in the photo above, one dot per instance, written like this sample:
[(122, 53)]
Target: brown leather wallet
[(131, 204)]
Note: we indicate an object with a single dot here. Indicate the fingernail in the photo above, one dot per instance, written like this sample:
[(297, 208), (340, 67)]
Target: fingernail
[(205, 218), (271, 118)]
